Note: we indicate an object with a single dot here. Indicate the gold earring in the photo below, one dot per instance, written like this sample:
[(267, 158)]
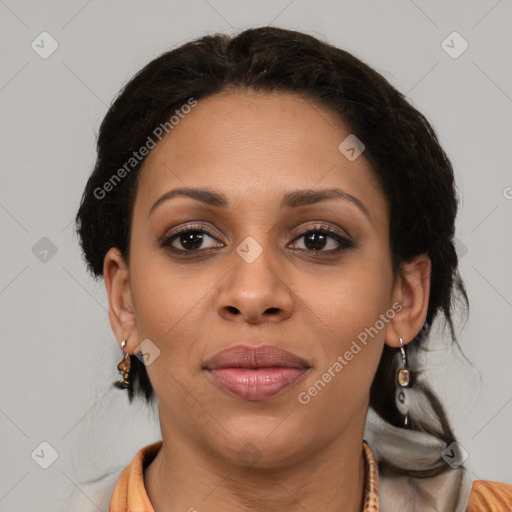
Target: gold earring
[(403, 379), (124, 369)]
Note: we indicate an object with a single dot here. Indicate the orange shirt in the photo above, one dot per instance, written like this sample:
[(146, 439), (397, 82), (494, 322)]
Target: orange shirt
[(130, 494), (490, 497)]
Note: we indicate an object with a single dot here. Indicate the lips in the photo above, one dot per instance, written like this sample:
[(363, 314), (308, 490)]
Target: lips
[(255, 373), (263, 356)]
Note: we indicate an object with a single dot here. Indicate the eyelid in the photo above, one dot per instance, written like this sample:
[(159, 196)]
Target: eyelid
[(344, 241), (188, 227), (322, 226), (317, 226)]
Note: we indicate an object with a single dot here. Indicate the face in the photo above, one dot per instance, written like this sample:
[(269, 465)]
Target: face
[(267, 257)]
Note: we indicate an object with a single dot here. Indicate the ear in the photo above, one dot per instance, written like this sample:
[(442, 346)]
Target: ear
[(412, 291), (120, 303)]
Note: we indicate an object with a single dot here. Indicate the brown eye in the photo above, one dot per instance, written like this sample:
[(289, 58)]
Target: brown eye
[(322, 237), (188, 239)]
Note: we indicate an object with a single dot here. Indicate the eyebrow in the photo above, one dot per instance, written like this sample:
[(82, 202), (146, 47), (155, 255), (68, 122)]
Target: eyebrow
[(293, 199)]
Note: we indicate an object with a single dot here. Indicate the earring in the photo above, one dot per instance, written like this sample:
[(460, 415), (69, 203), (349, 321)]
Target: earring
[(403, 378), (124, 369)]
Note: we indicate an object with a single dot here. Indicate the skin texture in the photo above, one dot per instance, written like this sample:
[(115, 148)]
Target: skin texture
[(255, 147)]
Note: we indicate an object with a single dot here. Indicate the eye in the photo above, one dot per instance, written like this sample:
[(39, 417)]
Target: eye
[(188, 239), (319, 237)]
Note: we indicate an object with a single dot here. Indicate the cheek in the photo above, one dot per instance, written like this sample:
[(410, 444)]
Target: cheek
[(170, 310), (163, 294), (353, 326), (340, 385), (356, 296)]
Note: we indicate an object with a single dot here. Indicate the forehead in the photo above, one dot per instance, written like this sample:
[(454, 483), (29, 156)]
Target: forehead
[(245, 142)]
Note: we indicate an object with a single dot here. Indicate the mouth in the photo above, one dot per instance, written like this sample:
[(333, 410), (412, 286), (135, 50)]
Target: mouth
[(255, 373)]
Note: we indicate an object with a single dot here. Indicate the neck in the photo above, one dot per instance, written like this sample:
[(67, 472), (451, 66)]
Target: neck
[(185, 477)]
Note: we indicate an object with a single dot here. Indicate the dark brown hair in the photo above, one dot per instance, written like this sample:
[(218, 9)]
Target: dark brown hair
[(415, 174)]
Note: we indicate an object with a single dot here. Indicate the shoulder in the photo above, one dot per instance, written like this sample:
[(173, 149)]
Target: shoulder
[(130, 491), (491, 496), (112, 491)]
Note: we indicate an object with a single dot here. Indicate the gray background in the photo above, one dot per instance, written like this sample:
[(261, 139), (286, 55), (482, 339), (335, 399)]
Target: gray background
[(58, 352)]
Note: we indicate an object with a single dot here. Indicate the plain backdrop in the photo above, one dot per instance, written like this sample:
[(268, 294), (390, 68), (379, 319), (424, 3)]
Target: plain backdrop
[(59, 355)]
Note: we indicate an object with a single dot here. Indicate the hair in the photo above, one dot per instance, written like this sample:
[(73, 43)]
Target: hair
[(413, 170)]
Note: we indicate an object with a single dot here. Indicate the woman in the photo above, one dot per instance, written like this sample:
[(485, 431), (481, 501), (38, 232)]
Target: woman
[(274, 224)]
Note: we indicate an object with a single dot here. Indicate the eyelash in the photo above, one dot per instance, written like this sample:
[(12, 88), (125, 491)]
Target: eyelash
[(344, 242)]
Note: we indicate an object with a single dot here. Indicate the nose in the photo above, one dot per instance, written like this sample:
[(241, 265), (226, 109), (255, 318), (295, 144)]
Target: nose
[(255, 291)]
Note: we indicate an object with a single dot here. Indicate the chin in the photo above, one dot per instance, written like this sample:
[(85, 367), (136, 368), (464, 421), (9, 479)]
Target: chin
[(264, 444)]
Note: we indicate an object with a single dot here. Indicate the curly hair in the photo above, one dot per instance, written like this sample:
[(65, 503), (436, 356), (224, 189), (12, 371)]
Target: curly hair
[(414, 172)]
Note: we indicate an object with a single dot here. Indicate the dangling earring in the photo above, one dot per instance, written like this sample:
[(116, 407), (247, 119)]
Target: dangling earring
[(403, 378), (124, 369)]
